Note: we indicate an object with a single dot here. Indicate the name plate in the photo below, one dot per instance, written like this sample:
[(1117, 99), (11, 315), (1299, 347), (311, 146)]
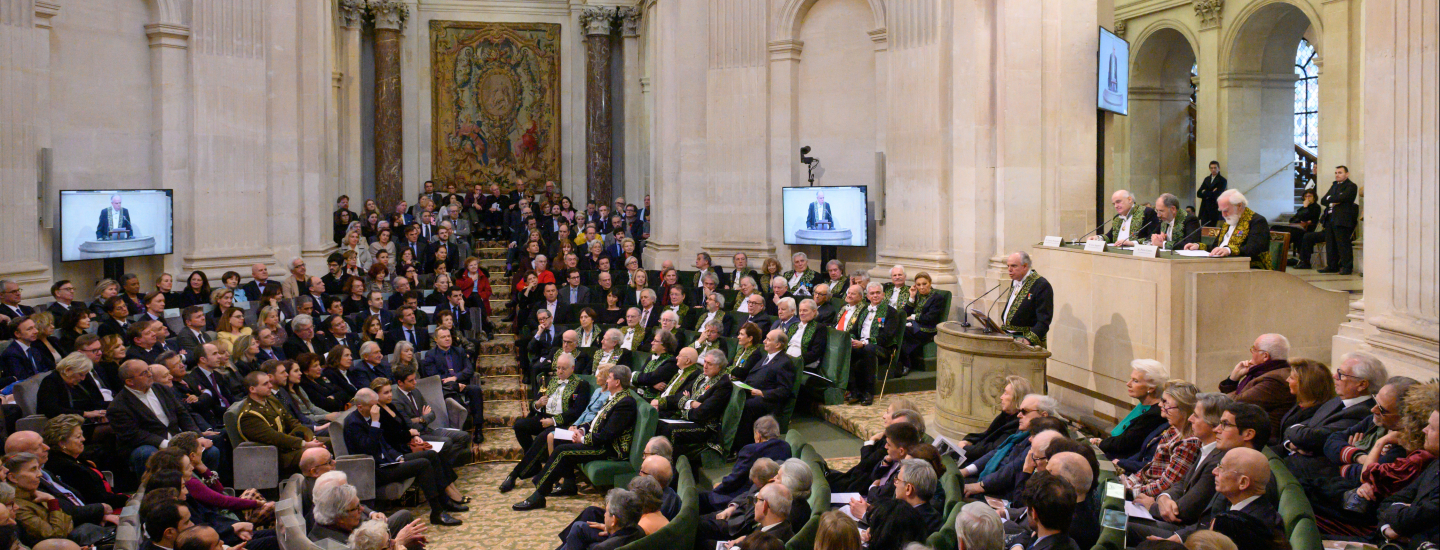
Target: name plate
[(1052, 241), (1145, 250), (1097, 245)]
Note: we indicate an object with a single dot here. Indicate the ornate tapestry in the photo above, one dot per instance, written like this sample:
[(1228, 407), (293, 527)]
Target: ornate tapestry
[(496, 102)]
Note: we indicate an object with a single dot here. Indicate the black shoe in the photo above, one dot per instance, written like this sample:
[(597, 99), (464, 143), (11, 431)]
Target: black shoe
[(868, 400), (535, 502), (1346, 271), (442, 518), (1328, 270), (507, 485), (1292, 262), (454, 506), (567, 489), (851, 399), (1304, 265)]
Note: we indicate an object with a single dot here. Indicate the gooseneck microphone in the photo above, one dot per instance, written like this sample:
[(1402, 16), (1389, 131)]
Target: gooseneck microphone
[(966, 309), (1097, 228)]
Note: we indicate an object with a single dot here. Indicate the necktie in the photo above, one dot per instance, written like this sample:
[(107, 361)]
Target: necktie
[(410, 336), (63, 489), (215, 386), (843, 314), (34, 362), (645, 319), (413, 404), (201, 337)]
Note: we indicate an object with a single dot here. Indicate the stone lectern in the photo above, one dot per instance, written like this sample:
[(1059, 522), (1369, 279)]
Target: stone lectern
[(972, 370)]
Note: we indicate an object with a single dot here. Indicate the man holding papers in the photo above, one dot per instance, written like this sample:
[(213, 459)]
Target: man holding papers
[(607, 438), (693, 414), (1243, 232), (769, 384)]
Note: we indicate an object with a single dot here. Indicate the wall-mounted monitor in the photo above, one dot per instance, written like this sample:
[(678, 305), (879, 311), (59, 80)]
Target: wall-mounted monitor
[(830, 216), (116, 224), (1113, 93)]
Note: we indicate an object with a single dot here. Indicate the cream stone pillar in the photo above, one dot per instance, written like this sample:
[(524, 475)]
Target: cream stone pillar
[(351, 14), (1341, 91), (316, 193), (630, 19), (784, 167), (1399, 321), (679, 161), (389, 179), (917, 228), (24, 65), (170, 86)]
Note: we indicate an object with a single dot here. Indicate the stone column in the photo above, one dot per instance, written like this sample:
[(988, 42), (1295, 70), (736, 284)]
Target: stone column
[(24, 62), (597, 22), (390, 18), (170, 103), (630, 31), (350, 15)]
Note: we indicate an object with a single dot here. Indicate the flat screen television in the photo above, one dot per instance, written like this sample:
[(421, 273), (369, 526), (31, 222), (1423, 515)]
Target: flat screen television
[(116, 224), (830, 216), (1113, 85)]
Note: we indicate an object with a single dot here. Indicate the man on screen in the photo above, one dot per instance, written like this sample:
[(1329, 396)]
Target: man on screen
[(114, 222), (819, 216)]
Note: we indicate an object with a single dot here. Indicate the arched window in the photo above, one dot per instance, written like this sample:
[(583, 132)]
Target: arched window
[(1307, 97)]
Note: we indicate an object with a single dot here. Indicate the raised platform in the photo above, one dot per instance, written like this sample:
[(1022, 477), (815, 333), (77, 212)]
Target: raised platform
[(139, 246), (832, 237)]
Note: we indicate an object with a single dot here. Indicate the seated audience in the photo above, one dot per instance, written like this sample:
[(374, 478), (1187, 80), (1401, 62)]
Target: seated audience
[(977, 527), (768, 445), (65, 437), (731, 520), (1357, 379), (73, 390), (1052, 504), (1261, 380), (144, 419), (872, 450), (1410, 512), (1177, 449), (976, 444), (457, 372), (796, 476), (772, 514), (264, 420), (605, 438), (1203, 423), (1147, 379), (994, 471), (412, 407), (1344, 500), (698, 403), (364, 435), (36, 511), (162, 520), (1241, 479), (1313, 385), (373, 534), (772, 380)]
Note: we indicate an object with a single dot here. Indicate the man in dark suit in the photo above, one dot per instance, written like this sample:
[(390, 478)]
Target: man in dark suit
[(164, 519), (872, 343), (10, 307), (143, 346), (539, 346), (1243, 232), (1240, 484), (216, 393), (21, 359), (574, 292), (406, 329), (375, 305), (1052, 505), (699, 405), (1029, 303), (756, 305), (772, 381), (1209, 191), (1340, 218), (704, 265), (1176, 228), (457, 372), (63, 291), (740, 271), (1358, 378), (144, 419), (608, 437), (413, 242), (114, 222), (1411, 511), (259, 284), (768, 444), (411, 405), (302, 340)]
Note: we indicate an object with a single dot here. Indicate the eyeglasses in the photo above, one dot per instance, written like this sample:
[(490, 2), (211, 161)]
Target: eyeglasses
[(1225, 424), (1341, 376), (1381, 410), (1024, 412)]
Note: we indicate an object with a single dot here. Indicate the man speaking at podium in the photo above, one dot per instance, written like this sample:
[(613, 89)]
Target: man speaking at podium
[(114, 222), (1131, 225), (819, 216), (1030, 304)]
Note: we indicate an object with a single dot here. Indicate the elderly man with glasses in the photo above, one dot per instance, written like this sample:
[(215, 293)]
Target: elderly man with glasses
[(1357, 380)]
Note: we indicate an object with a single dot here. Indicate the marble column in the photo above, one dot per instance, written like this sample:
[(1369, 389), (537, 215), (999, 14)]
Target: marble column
[(597, 22), (1398, 320), (630, 19), (351, 13), (24, 65), (390, 18)]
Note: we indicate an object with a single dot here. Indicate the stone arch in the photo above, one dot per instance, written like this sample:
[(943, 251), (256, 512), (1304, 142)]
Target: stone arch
[(1161, 151), (1276, 21), (169, 12), (792, 16), (1162, 27)]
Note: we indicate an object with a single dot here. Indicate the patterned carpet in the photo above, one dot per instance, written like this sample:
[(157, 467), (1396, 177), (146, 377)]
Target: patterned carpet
[(865, 422), (491, 523)]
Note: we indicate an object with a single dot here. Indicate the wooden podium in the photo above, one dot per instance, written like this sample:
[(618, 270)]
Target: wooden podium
[(972, 369)]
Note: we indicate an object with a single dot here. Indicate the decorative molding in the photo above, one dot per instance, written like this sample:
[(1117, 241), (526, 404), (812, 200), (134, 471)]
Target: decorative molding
[(630, 19), (167, 35), (645, 86), (389, 14), (1120, 28), (1146, 7), (786, 50), (1209, 13), (1279, 81), (44, 11), (881, 38), (597, 20), (352, 13)]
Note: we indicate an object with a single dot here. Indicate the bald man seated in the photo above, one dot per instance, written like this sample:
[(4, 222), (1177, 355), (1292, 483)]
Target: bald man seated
[(1132, 224), (1240, 482)]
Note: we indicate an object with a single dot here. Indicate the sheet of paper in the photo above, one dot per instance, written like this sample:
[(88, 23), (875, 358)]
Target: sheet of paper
[(564, 435), (672, 421), (1193, 253), (1114, 490), (1136, 511), (846, 510), (842, 498), (437, 445), (742, 385)]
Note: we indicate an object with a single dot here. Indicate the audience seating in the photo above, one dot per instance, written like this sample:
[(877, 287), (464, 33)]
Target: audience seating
[(127, 533), (452, 415), (835, 367), (801, 377), (1294, 507), (680, 532), (617, 473), (26, 393), (928, 354), (361, 468), (255, 465), (729, 426)]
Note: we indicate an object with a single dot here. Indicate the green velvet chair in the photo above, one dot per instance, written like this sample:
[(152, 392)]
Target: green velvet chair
[(796, 441), (680, 532), (737, 318), (789, 409), (729, 426), (617, 473), (928, 354), (805, 539), (834, 366), (950, 482), (946, 538)]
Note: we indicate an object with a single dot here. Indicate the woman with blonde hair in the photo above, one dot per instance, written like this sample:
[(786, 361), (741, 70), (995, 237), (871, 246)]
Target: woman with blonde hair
[(269, 317), (1147, 381), (104, 290), (769, 269), (47, 341), (221, 299), (355, 243), (65, 435), (72, 389), (837, 532), (1178, 448), (112, 353), (243, 352), (1003, 425)]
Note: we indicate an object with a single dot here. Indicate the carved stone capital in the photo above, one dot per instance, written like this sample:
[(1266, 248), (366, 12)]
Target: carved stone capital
[(44, 11), (352, 13), (629, 21), (389, 14), (597, 20), (1120, 29), (785, 49), (166, 35), (1209, 12)]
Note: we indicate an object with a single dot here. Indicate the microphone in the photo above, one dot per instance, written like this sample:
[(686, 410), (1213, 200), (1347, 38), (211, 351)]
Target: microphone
[(1097, 228), (1192, 234), (966, 309), (992, 304)]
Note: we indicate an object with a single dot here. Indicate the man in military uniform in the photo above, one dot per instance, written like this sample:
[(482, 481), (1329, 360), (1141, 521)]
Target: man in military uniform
[(701, 408), (1243, 232), (607, 437), (872, 341), (1030, 302), (801, 278), (1131, 225), (264, 420)]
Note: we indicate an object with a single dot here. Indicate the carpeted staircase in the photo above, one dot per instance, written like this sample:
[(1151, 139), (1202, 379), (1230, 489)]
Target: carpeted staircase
[(497, 366)]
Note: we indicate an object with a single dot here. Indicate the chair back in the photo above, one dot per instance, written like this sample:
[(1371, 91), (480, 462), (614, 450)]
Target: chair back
[(290, 527), (232, 423), (1279, 250), (789, 408), (433, 391), (28, 392), (730, 422), (645, 420), (836, 363), (337, 433), (127, 533)]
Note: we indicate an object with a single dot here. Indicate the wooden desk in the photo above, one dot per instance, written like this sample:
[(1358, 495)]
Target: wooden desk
[(1197, 316)]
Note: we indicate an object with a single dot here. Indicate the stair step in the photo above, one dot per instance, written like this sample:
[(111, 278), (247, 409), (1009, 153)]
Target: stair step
[(499, 445), (500, 369), (497, 346), (504, 388), (500, 414)]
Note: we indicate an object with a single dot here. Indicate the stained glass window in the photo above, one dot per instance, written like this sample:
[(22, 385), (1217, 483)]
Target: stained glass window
[(1307, 97)]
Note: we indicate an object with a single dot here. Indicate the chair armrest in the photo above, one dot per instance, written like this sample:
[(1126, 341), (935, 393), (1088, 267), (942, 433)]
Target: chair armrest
[(457, 413), (360, 469), (33, 423)]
